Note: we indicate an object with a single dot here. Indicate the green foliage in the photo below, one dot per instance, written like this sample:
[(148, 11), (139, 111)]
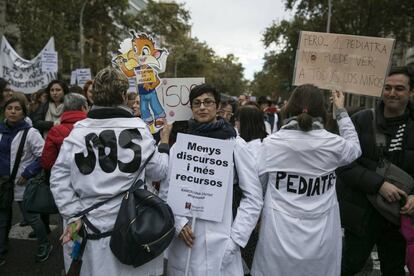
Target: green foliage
[(379, 18), (106, 23), (38, 20)]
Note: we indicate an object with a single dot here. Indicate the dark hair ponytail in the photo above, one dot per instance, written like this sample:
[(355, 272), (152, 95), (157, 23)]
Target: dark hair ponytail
[(304, 121), (306, 102)]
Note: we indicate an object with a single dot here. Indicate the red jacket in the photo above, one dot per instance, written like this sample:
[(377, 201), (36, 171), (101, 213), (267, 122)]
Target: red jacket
[(56, 135)]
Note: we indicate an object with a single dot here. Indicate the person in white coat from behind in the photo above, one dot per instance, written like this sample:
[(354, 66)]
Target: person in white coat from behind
[(216, 245), (300, 231), (100, 158), (250, 124)]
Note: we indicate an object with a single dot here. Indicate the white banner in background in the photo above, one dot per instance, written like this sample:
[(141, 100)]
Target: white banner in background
[(24, 75)]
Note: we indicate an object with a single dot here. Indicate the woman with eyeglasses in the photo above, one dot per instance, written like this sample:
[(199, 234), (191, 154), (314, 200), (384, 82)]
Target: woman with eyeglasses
[(216, 245)]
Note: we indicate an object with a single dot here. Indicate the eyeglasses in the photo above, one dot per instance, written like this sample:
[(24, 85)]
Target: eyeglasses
[(206, 103)]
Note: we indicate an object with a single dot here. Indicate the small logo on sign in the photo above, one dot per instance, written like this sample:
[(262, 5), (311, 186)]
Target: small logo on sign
[(188, 205)]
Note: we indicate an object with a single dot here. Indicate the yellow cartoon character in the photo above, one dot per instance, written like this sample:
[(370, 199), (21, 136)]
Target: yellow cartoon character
[(141, 58)]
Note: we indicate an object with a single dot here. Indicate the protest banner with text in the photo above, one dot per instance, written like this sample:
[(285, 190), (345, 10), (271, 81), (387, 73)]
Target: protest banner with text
[(199, 176), (355, 64), (24, 75), (174, 95)]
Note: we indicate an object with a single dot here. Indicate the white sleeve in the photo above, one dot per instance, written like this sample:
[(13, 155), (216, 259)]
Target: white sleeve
[(36, 142), (251, 203), (349, 147), (180, 221), (66, 199)]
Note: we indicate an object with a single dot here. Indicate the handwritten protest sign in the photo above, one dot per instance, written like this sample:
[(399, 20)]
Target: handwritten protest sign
[(145, 76), (174, 94), (199, 177), (49, 61), (356, 64), (24, 75)]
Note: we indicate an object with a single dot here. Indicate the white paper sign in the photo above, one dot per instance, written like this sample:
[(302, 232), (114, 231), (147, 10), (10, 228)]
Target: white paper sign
[(24, 75), (83, 75), (49, 61), (174, 96), (132, 85), (199, 176)]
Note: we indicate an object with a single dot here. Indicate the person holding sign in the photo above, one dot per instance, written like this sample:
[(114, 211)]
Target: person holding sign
[(300, 231), (101, 157), (364, 225), (215, 245)]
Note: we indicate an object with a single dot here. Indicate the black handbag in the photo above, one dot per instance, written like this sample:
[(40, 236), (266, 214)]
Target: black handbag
[(143, 229), (392, 174), (7, 182), (37, 196)]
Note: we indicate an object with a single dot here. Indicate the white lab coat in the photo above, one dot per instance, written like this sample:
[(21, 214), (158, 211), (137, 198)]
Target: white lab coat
[(300, 231), (32, 150), (74, 191), (211, 238)]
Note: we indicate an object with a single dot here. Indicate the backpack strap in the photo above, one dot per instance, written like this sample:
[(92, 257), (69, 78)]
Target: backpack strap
[(99, 204), (19, 155)]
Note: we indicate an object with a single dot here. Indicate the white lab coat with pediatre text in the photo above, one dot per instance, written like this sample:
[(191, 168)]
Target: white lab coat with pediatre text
[(213, 238), (300, 231), (75, 191)]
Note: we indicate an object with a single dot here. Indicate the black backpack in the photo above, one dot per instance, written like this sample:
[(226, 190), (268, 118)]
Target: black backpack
[(143, 228)]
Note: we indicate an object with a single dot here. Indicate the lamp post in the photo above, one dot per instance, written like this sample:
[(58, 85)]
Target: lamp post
[(81, 36)]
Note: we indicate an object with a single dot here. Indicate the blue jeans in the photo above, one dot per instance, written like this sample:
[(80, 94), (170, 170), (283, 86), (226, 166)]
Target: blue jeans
[(148, 100), (32, 219)]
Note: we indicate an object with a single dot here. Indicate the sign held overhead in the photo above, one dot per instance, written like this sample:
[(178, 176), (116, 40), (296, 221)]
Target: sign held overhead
[(355, 64)]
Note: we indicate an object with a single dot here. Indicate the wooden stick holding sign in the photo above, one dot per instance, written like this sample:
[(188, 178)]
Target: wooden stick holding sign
[(187, 265)]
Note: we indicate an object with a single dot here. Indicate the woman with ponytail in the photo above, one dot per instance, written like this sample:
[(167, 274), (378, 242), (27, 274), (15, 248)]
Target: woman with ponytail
[(300, 231)]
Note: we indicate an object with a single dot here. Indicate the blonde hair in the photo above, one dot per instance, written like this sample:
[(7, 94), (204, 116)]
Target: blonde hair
[(109, 87)]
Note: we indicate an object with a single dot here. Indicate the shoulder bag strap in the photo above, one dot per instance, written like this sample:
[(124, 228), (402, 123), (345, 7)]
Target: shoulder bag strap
[(97, 205), (379, 137), (19, 155)]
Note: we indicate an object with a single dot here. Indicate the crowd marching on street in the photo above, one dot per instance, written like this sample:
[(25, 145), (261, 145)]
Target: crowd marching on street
[(296, 199)]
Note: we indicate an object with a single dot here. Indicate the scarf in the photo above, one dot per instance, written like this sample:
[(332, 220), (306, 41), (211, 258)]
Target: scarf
[(292, 123), (54, 112), (218, 130)]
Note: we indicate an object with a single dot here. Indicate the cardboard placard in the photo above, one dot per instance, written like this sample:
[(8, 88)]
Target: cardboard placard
[(174, 95), (355, 64)]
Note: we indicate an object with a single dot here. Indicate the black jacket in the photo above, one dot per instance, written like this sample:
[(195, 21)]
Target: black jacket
[(38, 118), (358, 179)]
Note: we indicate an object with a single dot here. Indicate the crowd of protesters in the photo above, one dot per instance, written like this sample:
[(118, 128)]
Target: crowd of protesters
[(283, 211)]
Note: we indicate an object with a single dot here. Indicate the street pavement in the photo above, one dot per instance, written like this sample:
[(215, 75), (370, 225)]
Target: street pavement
[(20, 259)]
